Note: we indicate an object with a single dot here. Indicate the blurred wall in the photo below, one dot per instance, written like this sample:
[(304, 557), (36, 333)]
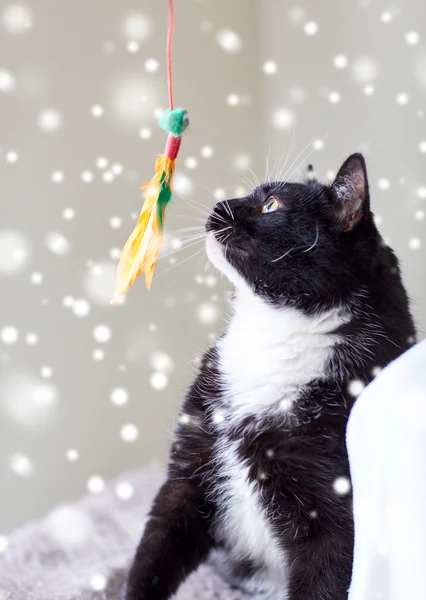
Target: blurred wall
[(88, 391), (82, 83)]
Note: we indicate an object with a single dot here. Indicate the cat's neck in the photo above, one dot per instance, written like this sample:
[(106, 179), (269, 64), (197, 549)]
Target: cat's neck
[(255, 317)]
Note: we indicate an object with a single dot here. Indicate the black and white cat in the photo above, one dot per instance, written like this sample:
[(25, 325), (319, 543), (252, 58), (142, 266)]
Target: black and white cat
[(257, 472)]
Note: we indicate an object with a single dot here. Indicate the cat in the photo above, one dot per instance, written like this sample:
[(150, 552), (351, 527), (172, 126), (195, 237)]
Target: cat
[(258, 478)]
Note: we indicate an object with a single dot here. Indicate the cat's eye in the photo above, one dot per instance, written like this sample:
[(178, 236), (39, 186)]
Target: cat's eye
[(270, 205)]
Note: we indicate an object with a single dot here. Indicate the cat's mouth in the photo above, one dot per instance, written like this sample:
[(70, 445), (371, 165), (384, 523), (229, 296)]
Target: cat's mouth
[(217, 255)]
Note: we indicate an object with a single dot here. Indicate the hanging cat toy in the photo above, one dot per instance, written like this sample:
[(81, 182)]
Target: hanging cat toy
[(140, 252)]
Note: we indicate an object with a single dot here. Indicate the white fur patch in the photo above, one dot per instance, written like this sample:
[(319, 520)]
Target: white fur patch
[(244, 527), (269, 354)]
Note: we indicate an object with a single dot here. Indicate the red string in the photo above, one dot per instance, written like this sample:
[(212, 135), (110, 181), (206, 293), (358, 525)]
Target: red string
[(169, 51)]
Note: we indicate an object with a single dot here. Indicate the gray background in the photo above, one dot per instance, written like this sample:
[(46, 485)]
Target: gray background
[(59, 373)]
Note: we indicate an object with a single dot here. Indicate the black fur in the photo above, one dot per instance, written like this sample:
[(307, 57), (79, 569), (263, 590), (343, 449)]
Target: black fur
[(334, 256)]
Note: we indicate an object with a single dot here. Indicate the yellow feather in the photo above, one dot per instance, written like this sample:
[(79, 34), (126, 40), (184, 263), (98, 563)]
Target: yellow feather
[(140, 252)]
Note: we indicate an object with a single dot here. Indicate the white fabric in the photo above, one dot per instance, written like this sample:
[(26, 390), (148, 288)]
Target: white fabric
[(386, 439)]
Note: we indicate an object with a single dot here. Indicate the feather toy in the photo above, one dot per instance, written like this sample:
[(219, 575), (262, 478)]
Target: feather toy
[(140, 252)]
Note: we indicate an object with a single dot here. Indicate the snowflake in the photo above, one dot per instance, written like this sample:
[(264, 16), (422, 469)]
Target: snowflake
[(102, 334), (87, 176), (183, 184), (369, 90), (422, 146), (72, 454), (340, 61), (311, 28), (69, 526), (124, 490), (296, 14), (342, 486), (129, 433), (229, 41), (98, 582), (117, 168), (21, 465), (115, 222), (233, 100), (412, 38), (14, 252), (207, 313), (402, 98), (365, 69), (97, 110), (241, 162), (49, 120), (133, 47), (46, 372), (270, 67), (414, 243), (386, 16), (136, 26), (191, 162), (145, 133), (17, 18), (355, 387), (57, 243), (420, 215), (184, 419), (31, 339), (161, 362), (81, 307), (151, 65), (95, 484), (68, 213), (218, 417), (12, 156), (383, 183), (98, 354), (7, 82), (108, 176), (158, 381), (283, 118), (9, 335), (119, 396), (334, 97)]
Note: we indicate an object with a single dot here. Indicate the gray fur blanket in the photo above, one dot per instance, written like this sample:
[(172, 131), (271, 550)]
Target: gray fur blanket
[(81, 551)]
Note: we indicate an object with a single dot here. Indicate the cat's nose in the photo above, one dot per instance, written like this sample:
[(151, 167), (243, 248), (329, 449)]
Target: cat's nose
[(220, 216)]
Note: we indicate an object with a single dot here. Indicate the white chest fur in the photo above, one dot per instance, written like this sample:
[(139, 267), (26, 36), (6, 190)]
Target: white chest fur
[(268, 355), (244, 526)]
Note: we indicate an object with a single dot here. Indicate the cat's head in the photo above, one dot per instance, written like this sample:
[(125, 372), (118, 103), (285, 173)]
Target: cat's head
[(301, 244)]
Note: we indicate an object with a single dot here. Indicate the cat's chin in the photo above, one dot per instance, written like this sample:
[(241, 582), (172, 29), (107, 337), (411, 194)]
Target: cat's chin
[(215, 252)]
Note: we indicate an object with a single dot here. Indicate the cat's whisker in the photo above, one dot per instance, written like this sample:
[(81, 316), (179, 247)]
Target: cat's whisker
[(284, 255), (303, 160), (255, 177), (267, 159), (231, 214), (288, 155), (178, 264), (296, 159), (315, 242)]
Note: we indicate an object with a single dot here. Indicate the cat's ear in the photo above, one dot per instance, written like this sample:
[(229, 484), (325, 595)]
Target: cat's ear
[(350, 191)]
